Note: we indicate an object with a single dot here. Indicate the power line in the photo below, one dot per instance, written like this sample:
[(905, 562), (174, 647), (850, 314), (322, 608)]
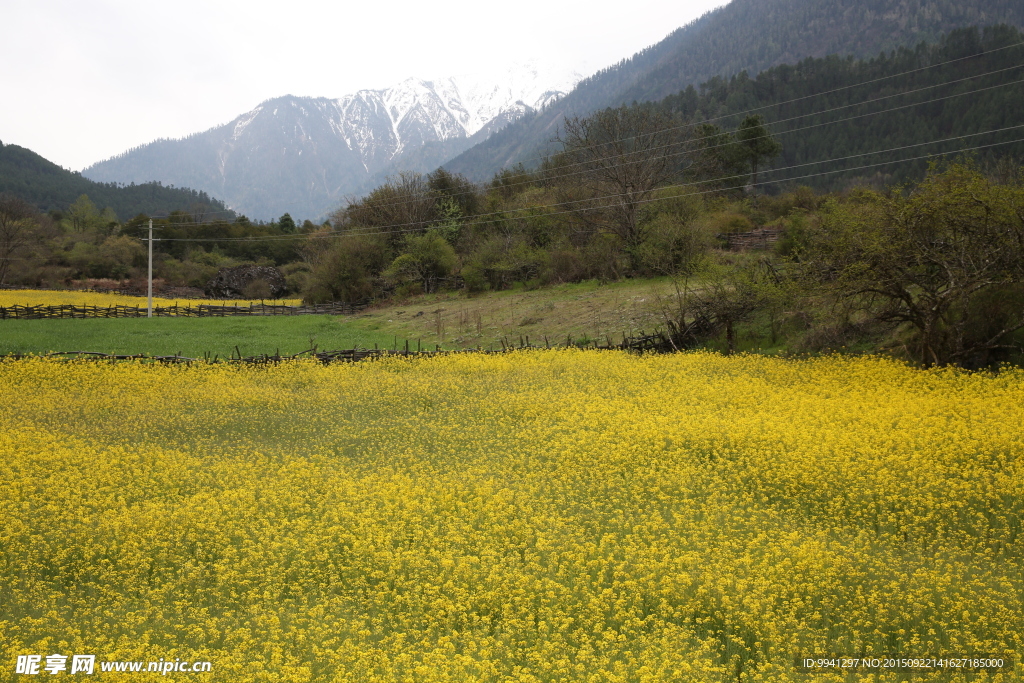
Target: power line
[(871, 101), (834, 90), (785, 132), (782, 180), (382, 230), (798, 99), (773, 123), (420, 224)]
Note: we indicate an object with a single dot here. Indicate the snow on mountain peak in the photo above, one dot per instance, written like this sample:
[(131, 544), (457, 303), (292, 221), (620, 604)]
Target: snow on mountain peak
[(244, 120), (418, 111), (526, 83)]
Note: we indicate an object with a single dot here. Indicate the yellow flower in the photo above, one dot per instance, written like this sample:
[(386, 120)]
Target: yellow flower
[(544, 516)]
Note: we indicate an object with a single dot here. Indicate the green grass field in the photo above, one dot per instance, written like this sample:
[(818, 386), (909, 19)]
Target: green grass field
[(189, 336), (588, 310)]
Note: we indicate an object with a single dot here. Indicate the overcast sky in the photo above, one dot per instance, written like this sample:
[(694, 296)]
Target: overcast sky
[(83, 80)]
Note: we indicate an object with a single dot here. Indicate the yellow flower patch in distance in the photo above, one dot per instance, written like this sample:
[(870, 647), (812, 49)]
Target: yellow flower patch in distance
[(37, 297), (553, 515)]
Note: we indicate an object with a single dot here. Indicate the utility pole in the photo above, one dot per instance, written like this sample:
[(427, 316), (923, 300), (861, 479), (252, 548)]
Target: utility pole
[(149, 289)]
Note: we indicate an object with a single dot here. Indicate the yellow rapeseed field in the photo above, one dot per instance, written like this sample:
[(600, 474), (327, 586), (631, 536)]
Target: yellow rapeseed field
[(36, 297), (535, 516)]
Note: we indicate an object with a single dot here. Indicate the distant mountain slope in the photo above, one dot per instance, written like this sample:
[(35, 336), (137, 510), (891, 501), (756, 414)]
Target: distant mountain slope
[(303, 155), (274, 159), (972, 97), (750, 35), (46, 185)]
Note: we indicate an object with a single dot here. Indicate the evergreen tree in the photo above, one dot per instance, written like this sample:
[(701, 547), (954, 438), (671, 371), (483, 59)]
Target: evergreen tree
[(755, 144), (286, 224)]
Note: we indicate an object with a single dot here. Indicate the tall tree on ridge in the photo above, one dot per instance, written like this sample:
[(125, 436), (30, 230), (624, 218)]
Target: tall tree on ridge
[(756, 144)]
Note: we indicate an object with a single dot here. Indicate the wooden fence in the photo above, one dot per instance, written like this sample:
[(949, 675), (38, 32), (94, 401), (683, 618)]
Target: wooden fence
[(261, 359), (19, 312), (653, 343), (761, 238)]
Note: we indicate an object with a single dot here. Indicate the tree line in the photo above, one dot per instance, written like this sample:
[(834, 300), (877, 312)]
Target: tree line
[(83, 243)]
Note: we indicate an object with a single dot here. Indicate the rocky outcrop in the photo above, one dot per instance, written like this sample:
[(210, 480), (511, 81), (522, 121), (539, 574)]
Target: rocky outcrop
[(242, 282)]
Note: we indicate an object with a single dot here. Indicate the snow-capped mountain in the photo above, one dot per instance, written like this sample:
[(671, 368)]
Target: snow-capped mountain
[(420, 111), (304, 155)]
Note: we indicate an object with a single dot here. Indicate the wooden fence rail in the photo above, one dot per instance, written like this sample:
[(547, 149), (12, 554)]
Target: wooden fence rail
[(20, 312), (261, 359), (654, 343)]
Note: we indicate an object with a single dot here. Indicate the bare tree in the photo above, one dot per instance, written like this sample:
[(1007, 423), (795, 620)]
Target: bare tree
[(198, 210), (401, 205), (17, 223), (613, 161), (946, 259)]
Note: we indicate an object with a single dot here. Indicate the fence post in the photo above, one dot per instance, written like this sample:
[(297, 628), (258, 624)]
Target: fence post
[(149, 278)]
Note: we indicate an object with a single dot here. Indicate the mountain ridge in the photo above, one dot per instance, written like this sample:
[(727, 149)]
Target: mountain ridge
[(304, 155), (744, 35), (50, 187)]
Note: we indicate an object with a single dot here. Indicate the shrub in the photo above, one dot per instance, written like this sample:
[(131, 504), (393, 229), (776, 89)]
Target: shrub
[(346, 270), (428, 259)]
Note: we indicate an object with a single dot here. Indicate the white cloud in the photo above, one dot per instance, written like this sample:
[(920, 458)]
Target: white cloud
[(82, 81)]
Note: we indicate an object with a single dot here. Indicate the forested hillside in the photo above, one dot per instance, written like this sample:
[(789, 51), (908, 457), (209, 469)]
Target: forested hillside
[(754, 36), (750, 35), (44, 184), (848, 113)]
